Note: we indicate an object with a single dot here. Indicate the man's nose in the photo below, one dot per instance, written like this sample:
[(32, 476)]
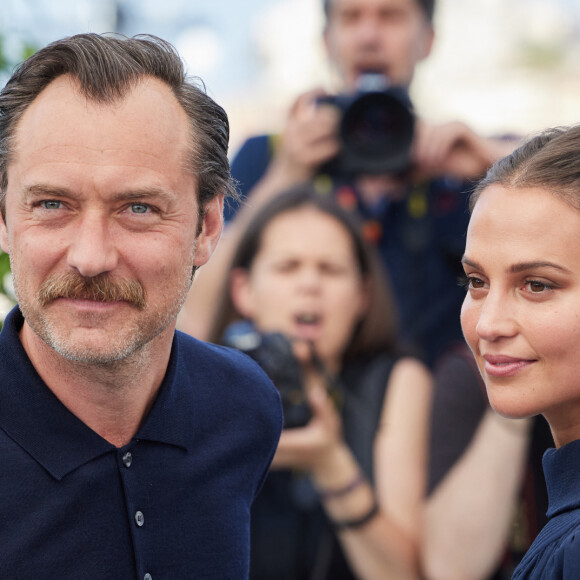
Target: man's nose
[(91, 251), (369, 31)]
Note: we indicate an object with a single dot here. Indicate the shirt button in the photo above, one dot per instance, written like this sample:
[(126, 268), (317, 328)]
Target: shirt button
[(139, 518), (147, 576), (127, 459)]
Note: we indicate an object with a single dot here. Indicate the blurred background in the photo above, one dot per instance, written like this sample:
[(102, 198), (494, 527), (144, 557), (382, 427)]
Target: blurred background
[(500, 65)]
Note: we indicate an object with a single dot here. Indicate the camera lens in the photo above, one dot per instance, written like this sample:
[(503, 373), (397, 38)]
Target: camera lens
[(377, 130)]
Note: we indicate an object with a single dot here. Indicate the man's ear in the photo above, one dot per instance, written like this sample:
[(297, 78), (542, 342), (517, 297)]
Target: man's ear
[(211, 228), (428, 41), (3, 234)]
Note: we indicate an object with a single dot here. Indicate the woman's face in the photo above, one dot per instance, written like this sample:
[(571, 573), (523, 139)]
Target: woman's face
[(521, 315), (304, 282)]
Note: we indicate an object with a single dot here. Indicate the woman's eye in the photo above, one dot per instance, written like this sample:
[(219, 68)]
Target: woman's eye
[(473, 282), (536, 287)]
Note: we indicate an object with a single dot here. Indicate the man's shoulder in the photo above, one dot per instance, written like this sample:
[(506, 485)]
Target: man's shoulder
[(220, 362), (230, 377)]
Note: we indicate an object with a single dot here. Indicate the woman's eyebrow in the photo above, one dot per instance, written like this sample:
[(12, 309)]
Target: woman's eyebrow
[(523, 266), (520, 266)]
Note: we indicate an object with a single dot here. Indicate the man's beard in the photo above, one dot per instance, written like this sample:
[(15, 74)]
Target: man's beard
[(102, 288)]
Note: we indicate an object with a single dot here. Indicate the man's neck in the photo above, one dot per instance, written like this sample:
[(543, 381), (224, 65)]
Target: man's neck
[(111, 399)]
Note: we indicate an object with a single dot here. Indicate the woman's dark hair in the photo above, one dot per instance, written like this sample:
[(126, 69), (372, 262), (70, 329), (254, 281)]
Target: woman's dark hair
[(377, 328), (106, 68), (550, 160)]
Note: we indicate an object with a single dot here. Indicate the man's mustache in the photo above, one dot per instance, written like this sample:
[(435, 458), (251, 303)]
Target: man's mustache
[(101, 288)]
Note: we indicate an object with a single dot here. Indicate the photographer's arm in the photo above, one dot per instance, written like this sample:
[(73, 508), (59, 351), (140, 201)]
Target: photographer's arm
[(476, 461), (386, 544), (468, 516)]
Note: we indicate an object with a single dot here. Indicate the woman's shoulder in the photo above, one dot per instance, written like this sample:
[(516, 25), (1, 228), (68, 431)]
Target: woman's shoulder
[(555, 553)]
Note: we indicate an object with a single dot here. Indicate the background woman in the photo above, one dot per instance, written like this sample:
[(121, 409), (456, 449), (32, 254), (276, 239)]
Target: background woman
[(345, 497)]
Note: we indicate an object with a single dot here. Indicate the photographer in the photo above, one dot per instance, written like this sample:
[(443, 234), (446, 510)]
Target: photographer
[(416, 218), (344, 497)]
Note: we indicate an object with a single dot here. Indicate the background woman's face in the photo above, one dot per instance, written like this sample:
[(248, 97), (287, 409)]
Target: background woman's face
[(304, 282), (521, 315)]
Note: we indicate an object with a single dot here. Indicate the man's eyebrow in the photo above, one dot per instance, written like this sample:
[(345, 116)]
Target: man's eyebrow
[(142, 193), (40, 190), (521, 266)]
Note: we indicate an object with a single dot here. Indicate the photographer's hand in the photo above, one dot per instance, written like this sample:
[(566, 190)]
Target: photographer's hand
[(309, 139), (309, 447), (455, 149)]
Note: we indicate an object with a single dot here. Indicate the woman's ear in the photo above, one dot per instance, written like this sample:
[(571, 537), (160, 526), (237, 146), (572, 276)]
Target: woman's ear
[(241, 292)]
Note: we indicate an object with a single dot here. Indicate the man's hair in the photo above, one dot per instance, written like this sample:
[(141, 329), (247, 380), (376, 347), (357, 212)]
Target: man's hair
[(428, 7), (106, 68), (550, 160)]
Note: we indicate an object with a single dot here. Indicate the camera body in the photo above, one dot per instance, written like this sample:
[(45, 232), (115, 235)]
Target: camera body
[(273, 352), (376, 128)]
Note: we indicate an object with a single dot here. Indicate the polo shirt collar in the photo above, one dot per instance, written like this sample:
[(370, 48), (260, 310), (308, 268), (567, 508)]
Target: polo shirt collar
[(33, 417)]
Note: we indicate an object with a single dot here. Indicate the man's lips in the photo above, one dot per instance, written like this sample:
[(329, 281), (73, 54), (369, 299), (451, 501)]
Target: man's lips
[(505, 366)]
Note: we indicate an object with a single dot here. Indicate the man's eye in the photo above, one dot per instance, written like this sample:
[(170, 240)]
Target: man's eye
[(51, 204), (139, 208)]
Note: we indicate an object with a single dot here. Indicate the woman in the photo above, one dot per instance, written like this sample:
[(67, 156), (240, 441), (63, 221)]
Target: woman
[(345, 494), (521, 318)]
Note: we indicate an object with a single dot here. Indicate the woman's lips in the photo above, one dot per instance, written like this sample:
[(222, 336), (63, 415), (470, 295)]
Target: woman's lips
[(505, 366)]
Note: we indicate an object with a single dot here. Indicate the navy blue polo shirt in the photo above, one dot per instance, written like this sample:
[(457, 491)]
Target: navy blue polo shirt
[(173, 503)]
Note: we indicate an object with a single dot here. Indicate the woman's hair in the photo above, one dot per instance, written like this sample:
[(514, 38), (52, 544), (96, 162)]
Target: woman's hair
[(377, 328), (549, 160)]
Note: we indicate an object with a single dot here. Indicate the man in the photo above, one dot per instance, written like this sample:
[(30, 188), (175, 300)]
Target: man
[(128, 450)]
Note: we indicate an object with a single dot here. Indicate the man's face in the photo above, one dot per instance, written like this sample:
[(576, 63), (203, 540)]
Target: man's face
[(386, 36), (101, 193)]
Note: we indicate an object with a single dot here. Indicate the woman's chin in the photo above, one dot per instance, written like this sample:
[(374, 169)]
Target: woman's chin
[(511, 409)]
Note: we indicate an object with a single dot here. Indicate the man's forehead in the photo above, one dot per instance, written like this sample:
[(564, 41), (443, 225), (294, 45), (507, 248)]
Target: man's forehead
[(61, 116)]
